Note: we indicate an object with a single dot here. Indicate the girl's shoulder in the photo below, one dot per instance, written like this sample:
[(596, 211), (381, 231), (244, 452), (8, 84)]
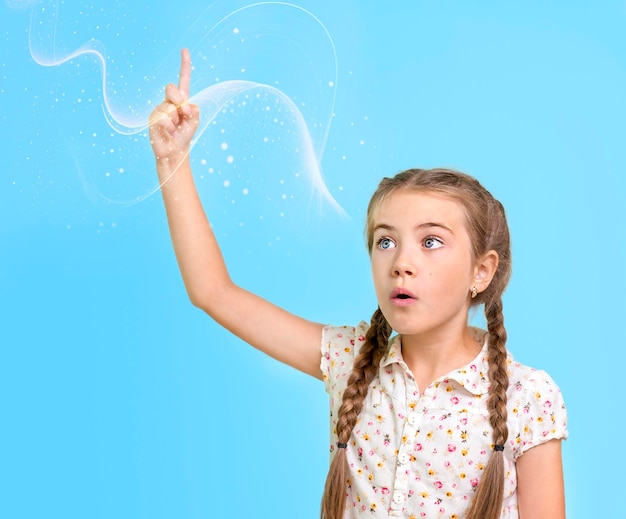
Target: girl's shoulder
[(528, 378), (536, 408), (340, 345), (350, 337)]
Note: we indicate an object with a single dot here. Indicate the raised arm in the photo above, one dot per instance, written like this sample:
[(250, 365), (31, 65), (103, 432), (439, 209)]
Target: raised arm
[(284, 336)]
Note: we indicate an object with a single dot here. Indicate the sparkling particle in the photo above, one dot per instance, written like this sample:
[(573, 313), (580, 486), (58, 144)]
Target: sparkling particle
[(226, 183), (236, 30), (331, 83), (203, 162), (245, 191), (224, 146), (230, 159)]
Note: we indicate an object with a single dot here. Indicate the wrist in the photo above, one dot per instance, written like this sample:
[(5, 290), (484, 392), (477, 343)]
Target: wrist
[(165, 166), (174, 175)]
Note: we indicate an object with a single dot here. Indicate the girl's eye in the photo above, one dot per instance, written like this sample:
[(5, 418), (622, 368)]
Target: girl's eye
[(432, 243), (385, 243)]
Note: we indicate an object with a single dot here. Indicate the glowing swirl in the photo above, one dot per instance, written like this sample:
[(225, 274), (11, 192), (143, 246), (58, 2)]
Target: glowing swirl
[(55, 39)]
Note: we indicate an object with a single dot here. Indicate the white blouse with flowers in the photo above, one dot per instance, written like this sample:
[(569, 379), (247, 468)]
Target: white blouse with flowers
[(421, 456)]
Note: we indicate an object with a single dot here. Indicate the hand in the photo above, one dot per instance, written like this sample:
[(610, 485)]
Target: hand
[(174, 122)]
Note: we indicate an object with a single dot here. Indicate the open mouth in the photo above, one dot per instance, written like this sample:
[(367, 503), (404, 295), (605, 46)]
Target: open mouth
[(401, 295)]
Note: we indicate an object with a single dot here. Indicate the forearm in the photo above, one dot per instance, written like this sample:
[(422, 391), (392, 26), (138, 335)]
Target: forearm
[(198, 254)]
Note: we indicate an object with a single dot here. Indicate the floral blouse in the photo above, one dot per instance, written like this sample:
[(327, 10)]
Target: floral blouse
[(421, 456)]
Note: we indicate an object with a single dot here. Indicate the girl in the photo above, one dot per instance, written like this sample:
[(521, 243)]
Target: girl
[(437, 421)]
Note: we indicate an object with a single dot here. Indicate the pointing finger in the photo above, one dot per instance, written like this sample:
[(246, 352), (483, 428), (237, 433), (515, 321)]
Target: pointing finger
[(184, 78)]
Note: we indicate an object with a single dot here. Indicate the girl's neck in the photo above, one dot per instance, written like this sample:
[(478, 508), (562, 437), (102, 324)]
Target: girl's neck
[(431, 356)]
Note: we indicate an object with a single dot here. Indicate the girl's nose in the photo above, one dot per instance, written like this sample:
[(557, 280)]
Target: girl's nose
[(403, 266), (403, 271)]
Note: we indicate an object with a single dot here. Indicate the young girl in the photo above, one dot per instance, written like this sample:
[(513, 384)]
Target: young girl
[(429, 417)]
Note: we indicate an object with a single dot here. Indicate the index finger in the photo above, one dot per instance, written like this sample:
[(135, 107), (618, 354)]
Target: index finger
[(184, 78)]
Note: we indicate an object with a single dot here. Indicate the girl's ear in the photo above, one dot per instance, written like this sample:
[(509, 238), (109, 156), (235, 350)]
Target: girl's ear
[(485, 269)]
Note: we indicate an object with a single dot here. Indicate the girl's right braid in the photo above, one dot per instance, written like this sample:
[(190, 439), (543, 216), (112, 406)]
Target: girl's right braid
[(363, 372)]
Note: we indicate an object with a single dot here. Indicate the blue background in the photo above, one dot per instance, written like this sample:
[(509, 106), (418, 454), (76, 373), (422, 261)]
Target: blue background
[(118, 398)]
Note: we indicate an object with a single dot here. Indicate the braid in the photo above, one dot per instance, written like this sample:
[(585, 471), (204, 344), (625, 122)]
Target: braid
[(487, 503), (363, 372), (497, 372)]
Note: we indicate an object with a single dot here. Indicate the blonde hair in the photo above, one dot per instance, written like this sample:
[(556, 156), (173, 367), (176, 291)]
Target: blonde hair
[(488, 230)]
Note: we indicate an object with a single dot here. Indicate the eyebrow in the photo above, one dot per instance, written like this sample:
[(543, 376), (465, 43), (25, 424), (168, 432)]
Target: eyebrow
[(425, 225)]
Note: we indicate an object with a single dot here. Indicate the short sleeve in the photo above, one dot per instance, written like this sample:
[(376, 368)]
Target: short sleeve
[(539, 410), (340, 345)]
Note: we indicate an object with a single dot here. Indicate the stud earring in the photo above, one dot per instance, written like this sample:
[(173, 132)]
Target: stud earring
[(474, 292)]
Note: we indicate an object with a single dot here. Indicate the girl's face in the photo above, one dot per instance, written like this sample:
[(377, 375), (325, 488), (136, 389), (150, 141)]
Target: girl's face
[(422, 264)]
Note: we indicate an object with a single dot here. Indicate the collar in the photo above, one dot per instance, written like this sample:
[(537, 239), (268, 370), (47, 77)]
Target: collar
[(474, 376)]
